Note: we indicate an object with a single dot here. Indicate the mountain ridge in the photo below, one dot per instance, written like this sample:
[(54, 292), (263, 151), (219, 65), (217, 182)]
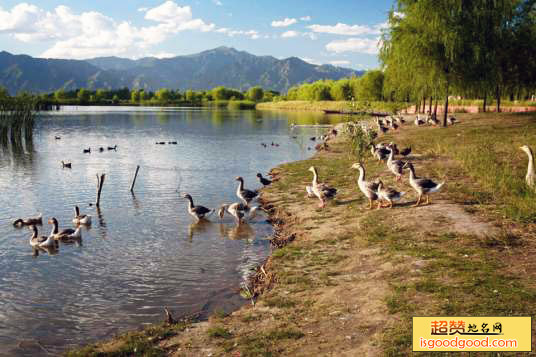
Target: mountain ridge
[(221, 66)]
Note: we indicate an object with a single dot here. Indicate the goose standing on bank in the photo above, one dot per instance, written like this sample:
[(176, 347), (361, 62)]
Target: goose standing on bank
[(80, 218), (245, 196), (368, 188), (388, 194), (322, 191), (198, 212), (395, 166), (529, 178), (422, 186), (29, 221), (264, 181)]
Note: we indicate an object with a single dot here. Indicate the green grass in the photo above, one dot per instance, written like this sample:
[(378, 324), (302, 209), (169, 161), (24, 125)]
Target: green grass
[(218, 332)]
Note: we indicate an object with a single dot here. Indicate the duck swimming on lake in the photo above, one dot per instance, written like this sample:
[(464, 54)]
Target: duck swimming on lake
[(198, 212), (422, 186), (264, 181), (80, 218), (245, 195), (29, 221)]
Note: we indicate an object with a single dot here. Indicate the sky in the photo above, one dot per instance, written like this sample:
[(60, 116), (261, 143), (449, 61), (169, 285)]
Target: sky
[(340, 32)]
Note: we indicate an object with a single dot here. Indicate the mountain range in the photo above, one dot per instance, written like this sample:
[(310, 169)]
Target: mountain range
[(222, 66)]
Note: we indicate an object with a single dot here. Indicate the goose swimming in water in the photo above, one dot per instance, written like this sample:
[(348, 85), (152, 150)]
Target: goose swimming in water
[(80, 218), (112, 147), (63, 234), (422, 186), (41, 241), (29, 221), (234, 210), (198, 212), (245, 195), (321, 190), (264, 181), (66, 164), (87, 151)]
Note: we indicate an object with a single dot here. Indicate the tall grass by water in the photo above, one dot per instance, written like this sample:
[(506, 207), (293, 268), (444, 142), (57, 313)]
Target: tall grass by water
[(16, 121)]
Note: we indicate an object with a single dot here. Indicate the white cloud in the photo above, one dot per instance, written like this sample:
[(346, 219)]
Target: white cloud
[(143, 9), (310, 60), (289, 34), (348, 30), (305, 18), (340, 63), (359, 45), (311, 35), (217, 2), (91, 34), (283, 23), (231, 33)]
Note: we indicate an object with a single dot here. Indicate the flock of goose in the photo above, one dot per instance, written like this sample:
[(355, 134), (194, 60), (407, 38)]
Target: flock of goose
[(376, 190), (51, 242), (238, 210)]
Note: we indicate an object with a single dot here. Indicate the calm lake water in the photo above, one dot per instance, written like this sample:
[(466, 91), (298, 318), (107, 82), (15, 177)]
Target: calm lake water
[(142, 252)]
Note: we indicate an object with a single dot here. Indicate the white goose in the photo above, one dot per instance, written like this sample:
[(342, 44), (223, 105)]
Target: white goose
[(529, 179), (245, 195), (395, 166), (388, 194), (80, 218), (368, 188), (422, 186), (322, 191), (41, 241)]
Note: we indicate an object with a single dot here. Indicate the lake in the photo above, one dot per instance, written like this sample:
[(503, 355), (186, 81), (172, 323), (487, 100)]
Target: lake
[(143, 251)]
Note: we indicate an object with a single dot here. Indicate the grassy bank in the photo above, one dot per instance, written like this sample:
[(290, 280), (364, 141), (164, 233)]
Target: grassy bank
[(303, 105), (350, 280)]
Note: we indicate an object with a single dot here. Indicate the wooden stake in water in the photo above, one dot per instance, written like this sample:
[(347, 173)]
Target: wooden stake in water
[(134, 181), (100, 182)]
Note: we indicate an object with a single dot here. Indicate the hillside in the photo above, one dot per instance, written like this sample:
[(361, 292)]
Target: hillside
[(222, 66)]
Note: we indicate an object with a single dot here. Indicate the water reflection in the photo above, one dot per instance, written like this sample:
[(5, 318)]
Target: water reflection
[(236, 232)]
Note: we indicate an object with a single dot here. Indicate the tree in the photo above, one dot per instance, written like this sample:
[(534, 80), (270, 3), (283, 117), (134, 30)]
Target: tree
[(370, 86), (83, 95), (163, 95), (255, 93), (60, 95), (341, 90), (135, 96)]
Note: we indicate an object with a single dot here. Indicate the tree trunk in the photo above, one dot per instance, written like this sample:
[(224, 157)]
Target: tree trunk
[(446, 109), (423, 104), (485, 102), (435, 109), (430, 106), (498, 97)]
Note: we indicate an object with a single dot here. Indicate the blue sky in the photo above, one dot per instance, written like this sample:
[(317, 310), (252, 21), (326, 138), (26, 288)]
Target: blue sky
[(341, 32)]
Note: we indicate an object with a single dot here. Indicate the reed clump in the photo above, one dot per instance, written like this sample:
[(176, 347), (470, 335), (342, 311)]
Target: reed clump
[(17, 116)]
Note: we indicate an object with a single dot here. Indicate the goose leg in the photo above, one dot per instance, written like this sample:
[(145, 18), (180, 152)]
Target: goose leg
[(379, 204), (427, 199), (418, 201), (390, 204), (370, 203)]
